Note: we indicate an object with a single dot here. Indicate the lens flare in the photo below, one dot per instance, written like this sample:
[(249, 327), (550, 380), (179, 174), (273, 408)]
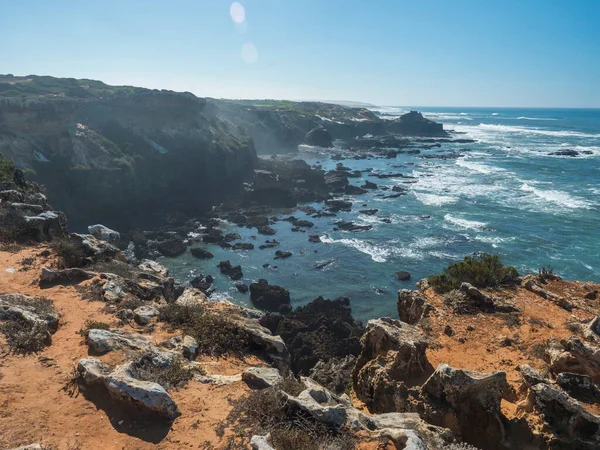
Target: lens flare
[(237, 12)]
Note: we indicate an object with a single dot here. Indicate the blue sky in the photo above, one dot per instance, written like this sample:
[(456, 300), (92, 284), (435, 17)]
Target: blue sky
[(388, 52)]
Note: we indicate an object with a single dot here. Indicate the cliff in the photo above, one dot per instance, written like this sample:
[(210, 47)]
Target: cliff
[(122, 155)]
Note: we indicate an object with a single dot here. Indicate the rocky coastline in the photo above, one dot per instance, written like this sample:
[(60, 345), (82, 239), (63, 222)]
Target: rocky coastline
[(95, 328)]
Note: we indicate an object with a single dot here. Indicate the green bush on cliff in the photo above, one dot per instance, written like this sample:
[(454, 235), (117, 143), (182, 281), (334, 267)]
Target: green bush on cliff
[(7, 169), (482, 271), (216, 335)]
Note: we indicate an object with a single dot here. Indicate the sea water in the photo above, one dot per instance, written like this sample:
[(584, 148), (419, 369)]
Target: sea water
[(507, 195)]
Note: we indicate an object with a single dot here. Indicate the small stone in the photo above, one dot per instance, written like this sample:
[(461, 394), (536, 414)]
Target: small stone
[(448, 330)]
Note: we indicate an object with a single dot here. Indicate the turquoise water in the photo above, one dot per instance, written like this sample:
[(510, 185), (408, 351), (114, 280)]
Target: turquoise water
[(507, 195)]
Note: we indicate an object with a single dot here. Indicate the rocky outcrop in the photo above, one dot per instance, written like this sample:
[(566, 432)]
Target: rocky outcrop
[(414, 124), (105, 234), (319, 137), (269, 297), (575, 356), (321, 330), (468, 403), (123, 387), (104, 341), (139, 153), (391, 361), (261, 377), (412, 307), (49, 277)]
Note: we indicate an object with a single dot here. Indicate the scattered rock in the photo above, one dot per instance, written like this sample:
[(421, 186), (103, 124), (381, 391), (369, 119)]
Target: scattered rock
[(201, 253), (402, 276), (242, 246), (171, 247), (104, 341), (279, 254), (191, 297), (105, 234), (269, 297), (144, 314), (412, 307), (233, 272), (580, 387), (262, 377), (49, 277), (314, 238)]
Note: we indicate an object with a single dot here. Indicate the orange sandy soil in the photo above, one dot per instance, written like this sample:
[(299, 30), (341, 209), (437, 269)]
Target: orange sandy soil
[(482, 349), (34, 408)]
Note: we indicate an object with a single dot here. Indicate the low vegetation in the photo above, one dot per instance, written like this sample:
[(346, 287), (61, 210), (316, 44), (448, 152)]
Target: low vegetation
[(482, 271), (267, 411), (174, 375), (93, 325), (23, 337), (546, 274), (215, 334), (69, 251)]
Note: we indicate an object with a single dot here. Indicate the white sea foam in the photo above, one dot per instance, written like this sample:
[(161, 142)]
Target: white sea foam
[(434, 200), (530, 130), (534, 118), (559, 198), (477, 167), (494, 114), (377, 253), (464, 223)]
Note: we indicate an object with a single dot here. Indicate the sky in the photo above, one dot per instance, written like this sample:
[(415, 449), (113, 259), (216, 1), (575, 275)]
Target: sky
[(526, 53)]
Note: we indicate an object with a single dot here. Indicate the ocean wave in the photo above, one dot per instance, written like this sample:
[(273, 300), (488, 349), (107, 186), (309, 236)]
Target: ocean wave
[(464, 223), (530, 130), (377, 253), (559, 198), (534, 118), (478, 167), (434, 200), (494, 114)]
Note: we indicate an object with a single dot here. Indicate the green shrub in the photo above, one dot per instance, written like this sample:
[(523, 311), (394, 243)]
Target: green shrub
[(7, 169), (482, 271), (23, 337), (216, 335), (267, 411), (175, 375), (92, 325), (69, 251)]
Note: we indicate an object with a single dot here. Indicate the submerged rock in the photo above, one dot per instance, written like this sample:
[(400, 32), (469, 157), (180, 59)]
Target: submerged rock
[(201, 253)]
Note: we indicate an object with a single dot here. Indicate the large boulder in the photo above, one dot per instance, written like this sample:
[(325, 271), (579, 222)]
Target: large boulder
[(262, 377), (571, 425), (468, 403), (269, 297), (104, 341), (414, 124), (577, 357), (49, 277), (392, 360), (144, 314), (105, 234), (319, 137), (233, 272), (97, 250)]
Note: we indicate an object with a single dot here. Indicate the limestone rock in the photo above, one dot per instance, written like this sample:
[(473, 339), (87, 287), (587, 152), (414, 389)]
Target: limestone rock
[(261, 442), (105, 234), (147, 265), (262, 377), (92, 370), (393, 354), (467, 402), (191, 297), (580, 387), (592, 330), (572, 425), (96, 249), (147, 395), (412, 307), (482, 301), (144, 314), (187, 345), (49, 277), (577, 357), (104, 341)]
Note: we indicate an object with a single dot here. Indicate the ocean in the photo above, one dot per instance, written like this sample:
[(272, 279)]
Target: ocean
[(507, 195)]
